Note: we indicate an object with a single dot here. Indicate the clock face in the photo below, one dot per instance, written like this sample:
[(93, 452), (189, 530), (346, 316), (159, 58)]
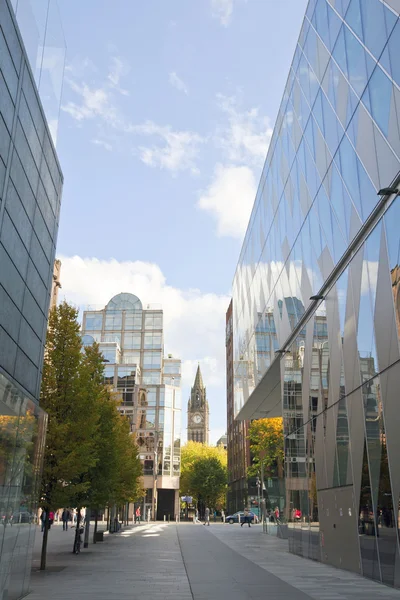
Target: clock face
[(197, 419)]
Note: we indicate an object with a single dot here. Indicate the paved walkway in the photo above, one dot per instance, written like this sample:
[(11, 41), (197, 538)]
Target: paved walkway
[(191, 562)]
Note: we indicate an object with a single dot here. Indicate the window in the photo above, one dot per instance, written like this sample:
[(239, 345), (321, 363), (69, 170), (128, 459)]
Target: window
[(131, 358), (152, 341), (109, 376), (151, 360), (112, 337), (94, 321), (132, 341), (113, 321), (151, 377), (133, 321), (153, 321), (126, 377)]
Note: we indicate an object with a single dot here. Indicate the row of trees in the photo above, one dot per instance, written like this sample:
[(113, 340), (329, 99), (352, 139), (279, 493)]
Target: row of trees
[(204, 468), (90, 458), (204, 474)]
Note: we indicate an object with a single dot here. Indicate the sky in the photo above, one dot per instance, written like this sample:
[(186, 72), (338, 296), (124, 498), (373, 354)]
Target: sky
[(167, 110)]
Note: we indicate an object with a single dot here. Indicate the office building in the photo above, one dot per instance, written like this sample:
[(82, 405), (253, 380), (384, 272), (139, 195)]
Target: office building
[(30, 195), (198, 412), (320, 260), (131, 338), (237, 441)]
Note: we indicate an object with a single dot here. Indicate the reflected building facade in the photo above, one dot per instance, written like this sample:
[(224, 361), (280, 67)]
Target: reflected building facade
[(238, 447), (321, 259), (148, 387), (30, 196)]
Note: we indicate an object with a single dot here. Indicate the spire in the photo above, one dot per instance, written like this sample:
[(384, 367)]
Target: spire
[(198, 382)]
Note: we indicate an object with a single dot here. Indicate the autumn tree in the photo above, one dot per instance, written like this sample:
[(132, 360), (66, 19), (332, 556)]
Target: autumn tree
[(267, 445)]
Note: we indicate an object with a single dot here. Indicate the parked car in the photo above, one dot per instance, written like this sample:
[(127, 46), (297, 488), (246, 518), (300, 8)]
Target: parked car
[(238, 517), (23, 517)]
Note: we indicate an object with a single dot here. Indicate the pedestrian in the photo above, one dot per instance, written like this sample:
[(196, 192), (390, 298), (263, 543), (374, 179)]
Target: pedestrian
[(65, 518), (51, 518), (196, 516), (43, 519), (223, 516), (277, 514), (246, 518), (207, 517), (137, 515)]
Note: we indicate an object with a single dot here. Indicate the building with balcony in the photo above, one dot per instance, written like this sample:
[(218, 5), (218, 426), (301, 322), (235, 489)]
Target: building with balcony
[(131, 338), (320, 261), (30, 197)]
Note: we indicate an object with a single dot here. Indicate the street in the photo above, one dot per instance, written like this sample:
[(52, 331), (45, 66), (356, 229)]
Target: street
[(186, 562)]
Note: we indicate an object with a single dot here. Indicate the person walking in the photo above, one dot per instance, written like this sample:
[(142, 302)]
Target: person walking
[(65, 519), (246, 518), (207, 517), (137, 520)]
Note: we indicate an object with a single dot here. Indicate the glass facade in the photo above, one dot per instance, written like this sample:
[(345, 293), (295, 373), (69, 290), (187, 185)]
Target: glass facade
[(40, 25), (30, 197), (148, 386), (318, 275)]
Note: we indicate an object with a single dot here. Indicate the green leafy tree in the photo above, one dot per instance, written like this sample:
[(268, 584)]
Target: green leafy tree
[(72, 420), (208, 481), (128, 485), (202, 466)]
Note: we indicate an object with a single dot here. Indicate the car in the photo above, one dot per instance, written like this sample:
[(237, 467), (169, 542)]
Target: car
[(238, 517)]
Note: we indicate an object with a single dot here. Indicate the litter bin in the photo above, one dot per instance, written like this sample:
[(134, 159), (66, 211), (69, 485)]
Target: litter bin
[(99, 536)]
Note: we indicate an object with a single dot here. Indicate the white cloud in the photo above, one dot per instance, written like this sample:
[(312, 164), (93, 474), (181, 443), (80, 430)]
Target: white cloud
[(93, 102), (119, 68), (247, 136), (178, 83), (231, 193), (229, 198), (173, 150), (178, 151), (96, 100), (103, 144), (222, 10), (194, 322)]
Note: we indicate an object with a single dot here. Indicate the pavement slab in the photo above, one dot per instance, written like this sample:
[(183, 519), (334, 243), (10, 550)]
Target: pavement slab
[(190, 562)]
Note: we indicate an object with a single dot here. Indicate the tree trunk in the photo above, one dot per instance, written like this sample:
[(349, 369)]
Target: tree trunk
[(78, 526), (96, 518), (87, 528), (44, 542)]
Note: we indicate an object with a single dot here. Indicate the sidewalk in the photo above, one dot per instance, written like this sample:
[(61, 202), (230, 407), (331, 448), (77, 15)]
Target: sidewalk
[(318, 581), (191, 562), (141, 561)]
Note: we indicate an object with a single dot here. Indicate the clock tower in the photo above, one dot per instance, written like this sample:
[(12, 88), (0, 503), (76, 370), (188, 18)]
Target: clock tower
[(198, 412)]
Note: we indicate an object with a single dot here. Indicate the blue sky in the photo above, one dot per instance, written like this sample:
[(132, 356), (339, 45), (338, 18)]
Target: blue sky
[(167, 112)]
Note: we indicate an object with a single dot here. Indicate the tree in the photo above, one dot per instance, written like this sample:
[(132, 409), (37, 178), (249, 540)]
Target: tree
[(204, 473), (72, 420), (208, 481), (267, 445)]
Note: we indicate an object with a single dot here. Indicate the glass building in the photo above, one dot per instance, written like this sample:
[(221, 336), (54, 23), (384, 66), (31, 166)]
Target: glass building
[(148, 388), (30, 196), (320, 268)]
